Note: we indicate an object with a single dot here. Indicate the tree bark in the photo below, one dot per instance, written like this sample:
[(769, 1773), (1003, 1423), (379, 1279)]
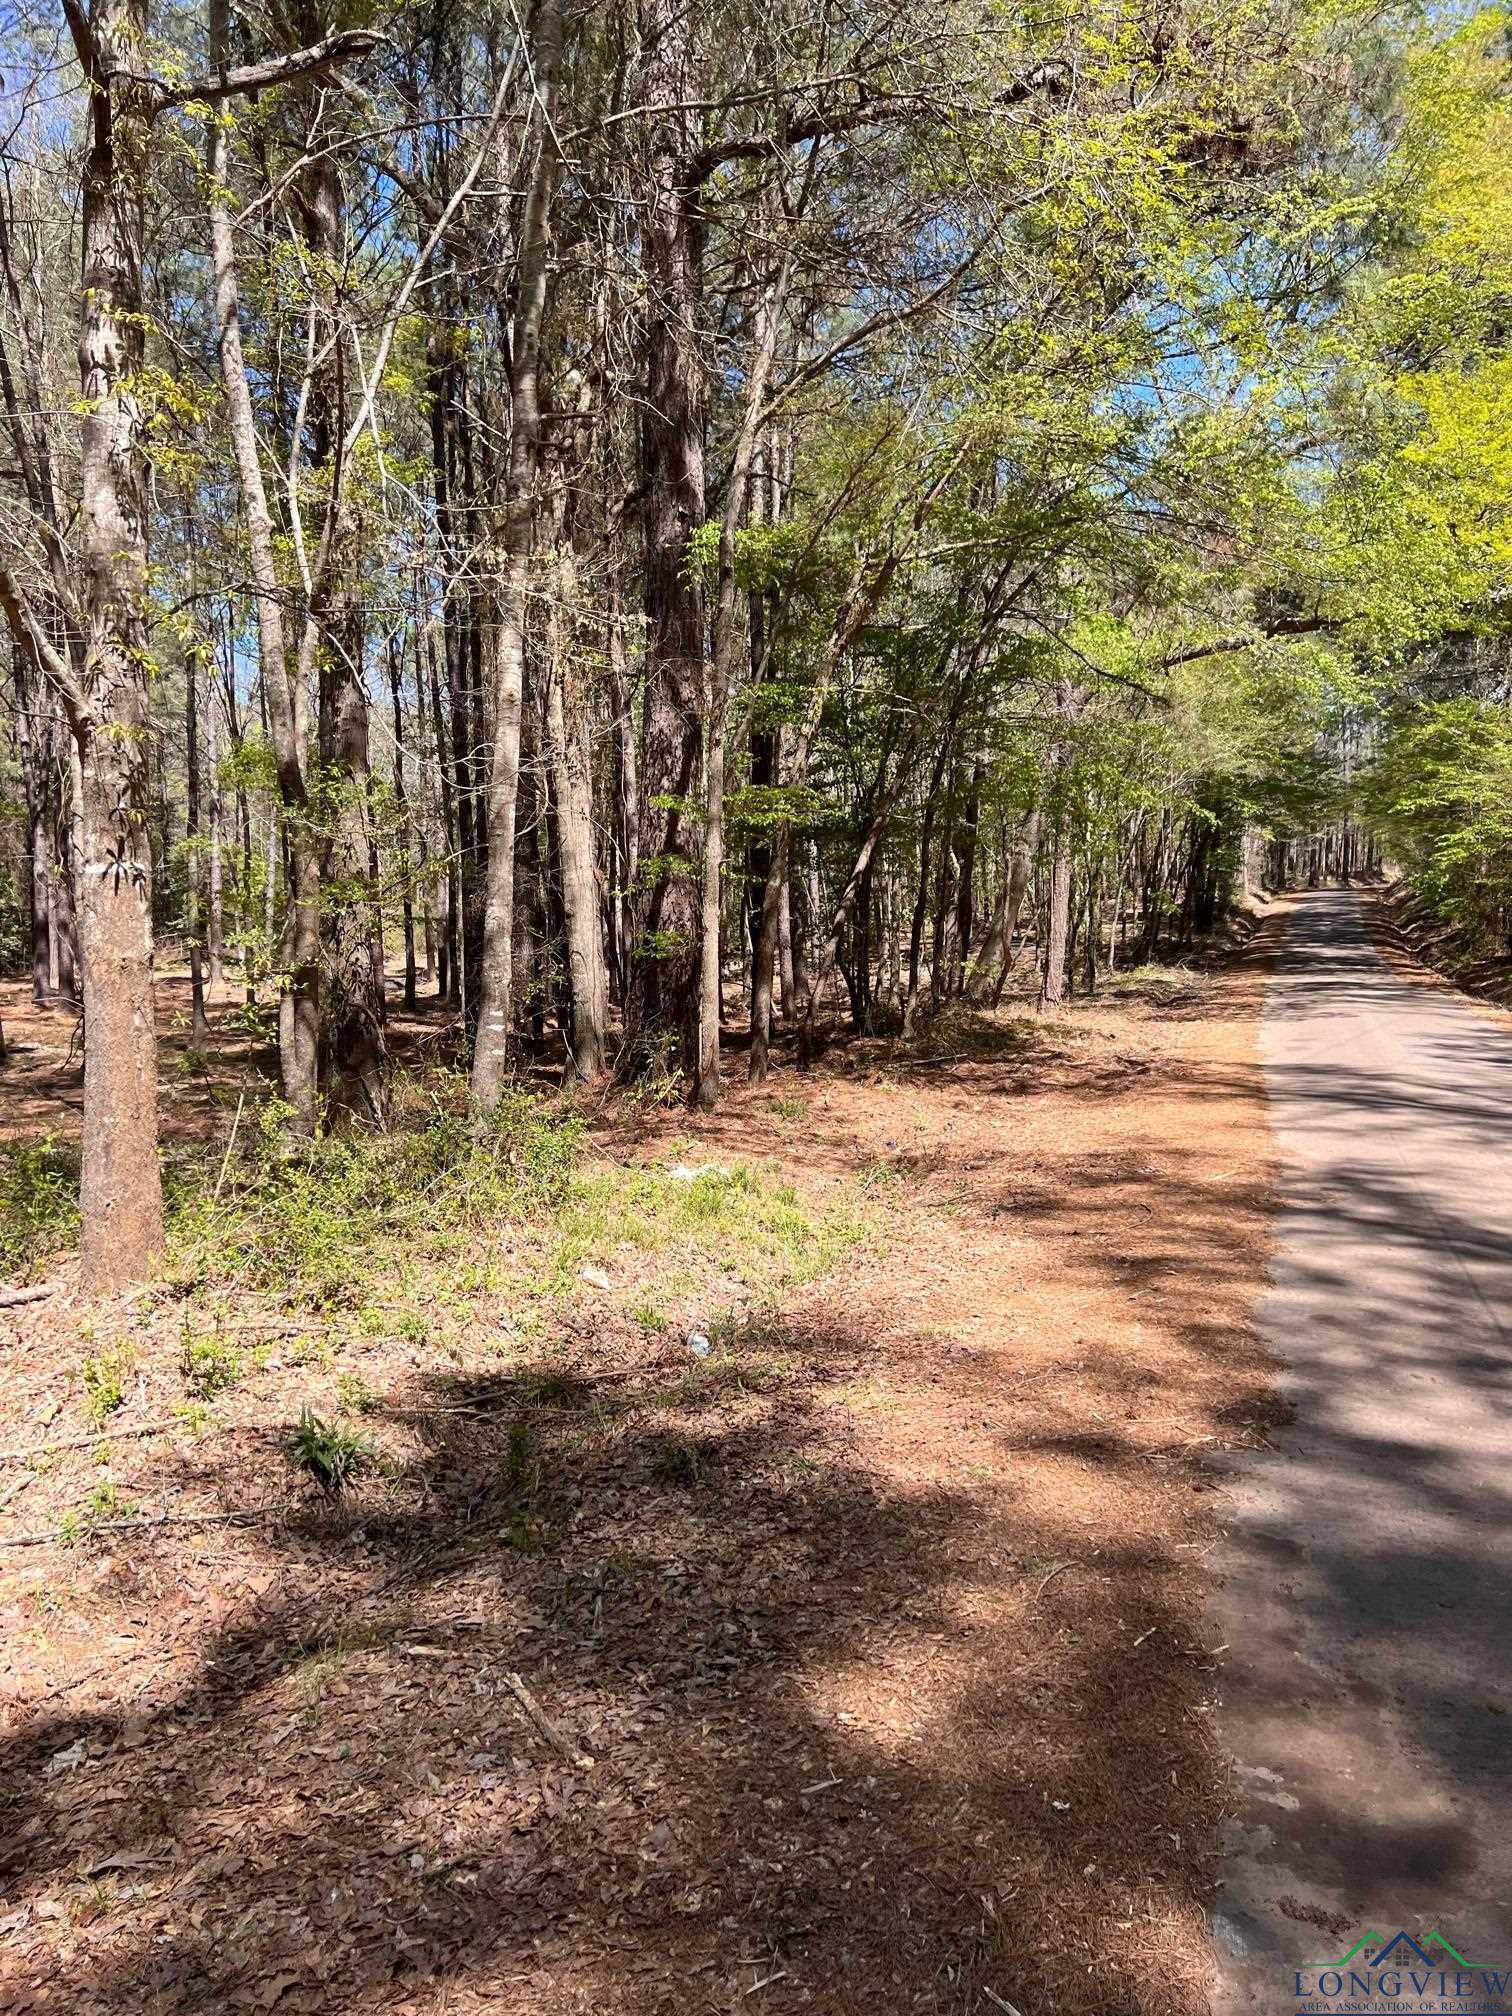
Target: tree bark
[(401, 803), (991, 968), (121, 1187), (626, 787), (448, 983), (662, 1008), (1058, 908), (283, 698), (34, 753), (965, 918), (723, 653), (199, 1026), (216, 920), (572, 781), (507, 668)]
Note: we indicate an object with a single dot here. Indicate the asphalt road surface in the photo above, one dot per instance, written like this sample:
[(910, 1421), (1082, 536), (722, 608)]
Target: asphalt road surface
[(1366, 1576)]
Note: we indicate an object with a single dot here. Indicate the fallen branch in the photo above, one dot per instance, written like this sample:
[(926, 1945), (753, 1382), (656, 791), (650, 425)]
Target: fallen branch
[(13, 1491), (88, 1530), (159, 1427), (543, 1721), (12, 1298), (999, 2001), (226, 1158)]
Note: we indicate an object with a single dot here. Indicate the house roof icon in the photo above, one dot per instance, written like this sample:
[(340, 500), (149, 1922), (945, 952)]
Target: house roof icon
[(1412, 1948)]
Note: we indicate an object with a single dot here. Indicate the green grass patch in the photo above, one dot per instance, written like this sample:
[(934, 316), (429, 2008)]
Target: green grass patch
[(752, 1227), (306, 1218), (1157, 983), (448, 1209), (104, 1379), (39, 1204), (208, 1367), (329, 1453)]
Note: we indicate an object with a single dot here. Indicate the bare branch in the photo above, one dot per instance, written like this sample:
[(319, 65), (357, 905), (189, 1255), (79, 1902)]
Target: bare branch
[(1288, 626), (346, 47), (32, 637), (1044, 80)]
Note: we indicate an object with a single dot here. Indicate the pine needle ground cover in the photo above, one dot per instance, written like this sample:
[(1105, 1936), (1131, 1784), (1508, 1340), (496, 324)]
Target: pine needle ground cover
[(674, 1561)]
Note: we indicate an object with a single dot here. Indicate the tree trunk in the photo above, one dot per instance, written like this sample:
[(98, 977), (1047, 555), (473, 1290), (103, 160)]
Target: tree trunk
[(199, 1026), (921, 893), (121, 1187), (626, 788), (991, 969), (662, 1008), (507, 668), (217, 919), (401, 802), (352, 1041), (572, 781), (1058, 923), (1058, 918), (448, 984), (722, 664), (787, 958), (965, 917), (283, 698), (34, 752), (944, 889)]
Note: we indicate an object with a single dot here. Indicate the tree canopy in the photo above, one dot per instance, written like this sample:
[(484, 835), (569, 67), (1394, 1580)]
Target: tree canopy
[(652, 519)]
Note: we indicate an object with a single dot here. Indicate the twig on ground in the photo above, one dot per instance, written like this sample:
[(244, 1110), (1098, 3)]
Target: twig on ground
[(998, 2001), (12, 1298), (543, 1721), (94, 1526), (14, 1490), (1059, 1569), (158, 1427), (226, 1158)]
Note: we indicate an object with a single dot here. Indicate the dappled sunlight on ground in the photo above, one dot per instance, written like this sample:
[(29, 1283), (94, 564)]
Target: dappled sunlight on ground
[(856, 1665)]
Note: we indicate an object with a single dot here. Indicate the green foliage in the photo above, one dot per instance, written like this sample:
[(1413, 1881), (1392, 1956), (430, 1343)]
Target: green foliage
[(756, 1230), (302, 1215), (39, 1203), (354, 1393), (1440, 792), (106, 1502), (332, 1455), (104, 1377), (209, 1367)]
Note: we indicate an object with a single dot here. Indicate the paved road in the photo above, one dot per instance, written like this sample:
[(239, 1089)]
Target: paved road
[(1367, 1574)]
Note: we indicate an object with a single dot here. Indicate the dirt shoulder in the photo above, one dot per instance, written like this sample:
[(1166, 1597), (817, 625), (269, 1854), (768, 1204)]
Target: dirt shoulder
[(860, 1664), (1415, 952)]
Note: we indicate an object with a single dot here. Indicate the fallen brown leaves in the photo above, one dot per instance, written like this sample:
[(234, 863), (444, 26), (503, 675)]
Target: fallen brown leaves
[(859, 1666)]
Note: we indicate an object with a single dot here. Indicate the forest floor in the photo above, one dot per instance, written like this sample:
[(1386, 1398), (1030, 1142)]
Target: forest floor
[(857, 1664)]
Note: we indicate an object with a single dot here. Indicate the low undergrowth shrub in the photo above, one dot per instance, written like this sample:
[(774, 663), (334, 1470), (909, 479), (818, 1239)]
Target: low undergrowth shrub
[(39, 1204), (345, 1220), (332, 1455), (301, 1215)]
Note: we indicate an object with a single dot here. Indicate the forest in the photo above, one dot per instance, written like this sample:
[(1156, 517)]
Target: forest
[(651, 529), (739, 1232)]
